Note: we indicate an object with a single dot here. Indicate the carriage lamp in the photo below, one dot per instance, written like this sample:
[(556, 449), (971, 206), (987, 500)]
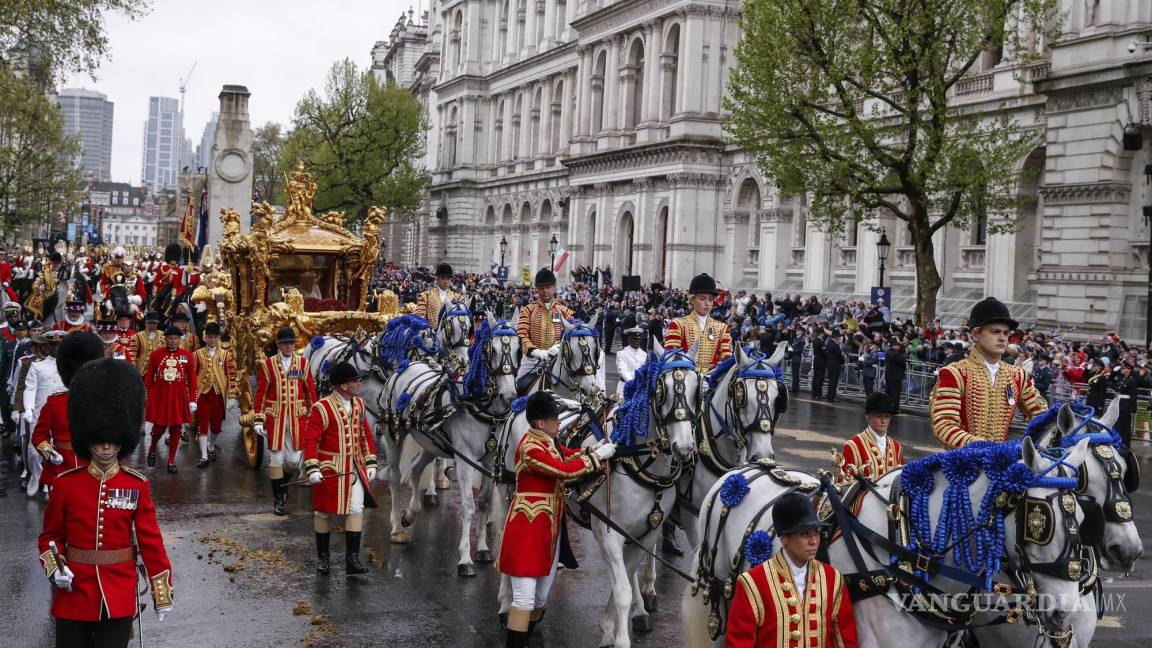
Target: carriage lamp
[(883, 246), (553, 245)]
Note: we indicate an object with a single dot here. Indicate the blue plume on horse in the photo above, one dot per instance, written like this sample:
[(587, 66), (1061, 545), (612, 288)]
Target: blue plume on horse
[(734, 489), (633, 413), (476, 378), (758, 547), (403, 401), (719, 370), (400, 335), (316, 342), (403, 366), (1039, 424), (520, 404)]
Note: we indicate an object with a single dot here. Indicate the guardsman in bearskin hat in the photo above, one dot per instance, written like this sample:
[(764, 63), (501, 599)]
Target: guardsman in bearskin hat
[(87, 548), (340, 459), (51, 437), (146, 341), (430, 302), (541, 324), (872, 453), (39, 380), (534, 537), (170, 378), (216, 387), (285, 391), (714, 336), (73, 318), (975, 398), (792, 599)]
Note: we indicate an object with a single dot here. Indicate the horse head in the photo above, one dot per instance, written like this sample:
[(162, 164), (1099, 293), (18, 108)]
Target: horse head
[(494, 359), (756, 397), (580, 357), (678, 401), (454, 331), (1107, 476)]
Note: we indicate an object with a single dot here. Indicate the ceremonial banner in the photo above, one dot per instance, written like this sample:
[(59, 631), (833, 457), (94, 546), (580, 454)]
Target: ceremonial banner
[(202, 234), (188, 226), (561, 257)]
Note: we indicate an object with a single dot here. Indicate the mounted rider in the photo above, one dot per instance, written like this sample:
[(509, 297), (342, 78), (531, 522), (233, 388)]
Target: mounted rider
[(871, 453), (541, 325), (714, 337), (285, 391), (975, 398), (430, 302), (535, 537), (116, 273), (792, 599)]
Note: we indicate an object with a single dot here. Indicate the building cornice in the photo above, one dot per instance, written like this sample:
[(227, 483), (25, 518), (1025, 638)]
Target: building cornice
[(684, 151)]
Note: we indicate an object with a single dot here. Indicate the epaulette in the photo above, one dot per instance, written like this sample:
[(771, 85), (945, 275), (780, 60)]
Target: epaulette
[(71, 470), (135, 473)]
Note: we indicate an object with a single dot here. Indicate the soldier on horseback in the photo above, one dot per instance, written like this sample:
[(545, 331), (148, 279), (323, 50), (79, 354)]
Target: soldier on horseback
[(714, 336), (871, 453), (431, 301), (541, 325)]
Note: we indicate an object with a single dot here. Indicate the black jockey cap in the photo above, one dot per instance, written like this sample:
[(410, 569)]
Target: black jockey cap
[(444, 270), (180, 316), (878, 403), (343, 373), (105, 405), (172, 253), (542, 405), (285, 334), (55, 257), (173, 330), (545, 277), (152, 316), (794, 513), (703, 283), (213, 328), (78, 348), (991, 311)]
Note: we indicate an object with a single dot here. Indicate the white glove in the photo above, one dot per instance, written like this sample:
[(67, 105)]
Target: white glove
[(315, 477), (605, 451), (371, 474), (539, 354), (554, 350), (201, 307), (161, 612), (134, 300), (192, 407), (62, 578), (17, 417), (56, 458), (258, 428)]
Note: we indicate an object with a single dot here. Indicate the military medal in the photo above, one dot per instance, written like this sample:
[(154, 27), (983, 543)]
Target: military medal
[(1011, 395)]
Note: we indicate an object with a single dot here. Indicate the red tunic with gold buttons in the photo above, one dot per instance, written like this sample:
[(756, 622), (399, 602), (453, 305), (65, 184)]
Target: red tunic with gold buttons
[(284, 398), (338, 441), (90, 516), (767, 611), (171, 382), (52, 433), (532, 528)]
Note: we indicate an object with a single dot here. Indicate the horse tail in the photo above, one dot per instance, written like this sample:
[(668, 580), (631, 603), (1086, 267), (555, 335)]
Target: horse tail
[(694, 620)]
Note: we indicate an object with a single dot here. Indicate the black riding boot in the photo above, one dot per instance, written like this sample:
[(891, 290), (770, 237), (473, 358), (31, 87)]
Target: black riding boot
[(279, 496), (322, 562), (537, 617), (352, 553), (670, 546)]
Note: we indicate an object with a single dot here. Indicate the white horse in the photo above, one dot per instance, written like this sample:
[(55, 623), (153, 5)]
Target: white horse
[(654, 430), (740, 505), (1108, 477)]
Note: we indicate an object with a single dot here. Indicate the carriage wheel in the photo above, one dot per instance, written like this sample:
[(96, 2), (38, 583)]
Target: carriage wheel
[(253, 447)]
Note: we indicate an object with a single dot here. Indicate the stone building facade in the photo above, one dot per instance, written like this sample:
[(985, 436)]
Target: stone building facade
[(601, 123)]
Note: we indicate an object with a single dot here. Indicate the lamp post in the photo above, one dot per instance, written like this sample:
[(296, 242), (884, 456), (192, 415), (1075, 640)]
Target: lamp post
[(883, 246), (503, 249), (553, 245)]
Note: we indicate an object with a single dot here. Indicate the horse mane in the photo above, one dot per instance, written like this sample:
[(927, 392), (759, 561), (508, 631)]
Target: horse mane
[(476, 378), (633, 413)]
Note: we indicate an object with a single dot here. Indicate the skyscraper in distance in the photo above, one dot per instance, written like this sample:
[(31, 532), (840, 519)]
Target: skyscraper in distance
[(88, 117), (163, 136)]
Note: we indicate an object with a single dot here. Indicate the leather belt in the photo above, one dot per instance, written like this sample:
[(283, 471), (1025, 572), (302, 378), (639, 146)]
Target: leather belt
[(99, 556)]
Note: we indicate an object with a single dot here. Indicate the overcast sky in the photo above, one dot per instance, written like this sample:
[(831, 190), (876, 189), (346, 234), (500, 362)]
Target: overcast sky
[(277, 48)]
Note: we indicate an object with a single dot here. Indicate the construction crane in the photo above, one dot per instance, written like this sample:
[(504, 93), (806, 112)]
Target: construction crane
[(180, 136)]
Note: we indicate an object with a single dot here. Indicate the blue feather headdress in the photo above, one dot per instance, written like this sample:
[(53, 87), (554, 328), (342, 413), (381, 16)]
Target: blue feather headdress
[(633, 414)]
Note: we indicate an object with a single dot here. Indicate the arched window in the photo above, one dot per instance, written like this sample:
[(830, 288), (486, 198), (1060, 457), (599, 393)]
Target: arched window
[(557, 109), (625, 237), (669, 72), (517, 116), (457, 31), (633, 80), (450, 139), (536, 124), (662, 243), (598, 92), (748, 202), (498, 120), (502, 29)]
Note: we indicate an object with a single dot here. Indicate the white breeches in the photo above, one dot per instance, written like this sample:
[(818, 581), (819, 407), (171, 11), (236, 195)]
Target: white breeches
[(355, 500), (288, 455), (530, 593), (527, 365)]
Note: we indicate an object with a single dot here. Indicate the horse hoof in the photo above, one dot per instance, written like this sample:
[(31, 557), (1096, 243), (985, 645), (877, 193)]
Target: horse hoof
[(651, 602), (468, 570), (431, 500), (399, 537), (407, 518), (642, 624), (484, 556)]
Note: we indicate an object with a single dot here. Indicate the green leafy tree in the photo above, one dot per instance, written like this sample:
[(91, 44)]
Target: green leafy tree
[(37, 178), (268, 163), (847, 101), (362, 141), (62, 35)]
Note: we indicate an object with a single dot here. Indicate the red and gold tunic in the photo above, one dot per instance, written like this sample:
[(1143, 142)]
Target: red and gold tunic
[(428, 304), (539, 327), (284, 397), (715, 343), (121, 347), (52, 433), (766, 612), (862, 457), (337, 440), (532, 528), (68, 327), (171, 383), (141, 347), (966, 406), (90, 516)]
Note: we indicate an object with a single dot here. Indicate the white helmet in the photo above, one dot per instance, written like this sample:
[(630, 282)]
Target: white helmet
[(119, 252)]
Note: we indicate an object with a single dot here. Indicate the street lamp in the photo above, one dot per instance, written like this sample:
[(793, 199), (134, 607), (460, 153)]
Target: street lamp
[(553, 245), (503, 249), (883, 246)]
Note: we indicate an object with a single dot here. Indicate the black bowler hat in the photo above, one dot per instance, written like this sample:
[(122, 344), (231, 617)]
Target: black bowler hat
[(151, 316), (542, 405), (545, 277), (180, 316), (213, 328), (105, 405), (991, 311), (285, 334), (444, 270), (173, 330), (343, 373), (703, 283), (794, 513), (878, 403)]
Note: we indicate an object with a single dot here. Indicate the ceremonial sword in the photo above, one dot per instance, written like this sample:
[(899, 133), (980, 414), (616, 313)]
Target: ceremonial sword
[(301, 482)]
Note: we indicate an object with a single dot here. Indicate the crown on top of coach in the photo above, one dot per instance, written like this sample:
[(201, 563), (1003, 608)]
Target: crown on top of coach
[(301, 189)]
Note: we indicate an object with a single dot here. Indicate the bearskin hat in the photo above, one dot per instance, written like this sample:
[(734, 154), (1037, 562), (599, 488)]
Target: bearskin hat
[(106, 405), (172, 253), (75, 350)]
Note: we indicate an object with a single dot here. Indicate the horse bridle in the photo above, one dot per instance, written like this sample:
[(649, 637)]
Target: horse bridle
[(587, 341), (503, 358), (448, 322), (680, 410), (768, 410)]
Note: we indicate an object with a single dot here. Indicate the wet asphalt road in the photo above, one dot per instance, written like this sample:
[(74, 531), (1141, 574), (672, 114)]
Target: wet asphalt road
[(244, 577)]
